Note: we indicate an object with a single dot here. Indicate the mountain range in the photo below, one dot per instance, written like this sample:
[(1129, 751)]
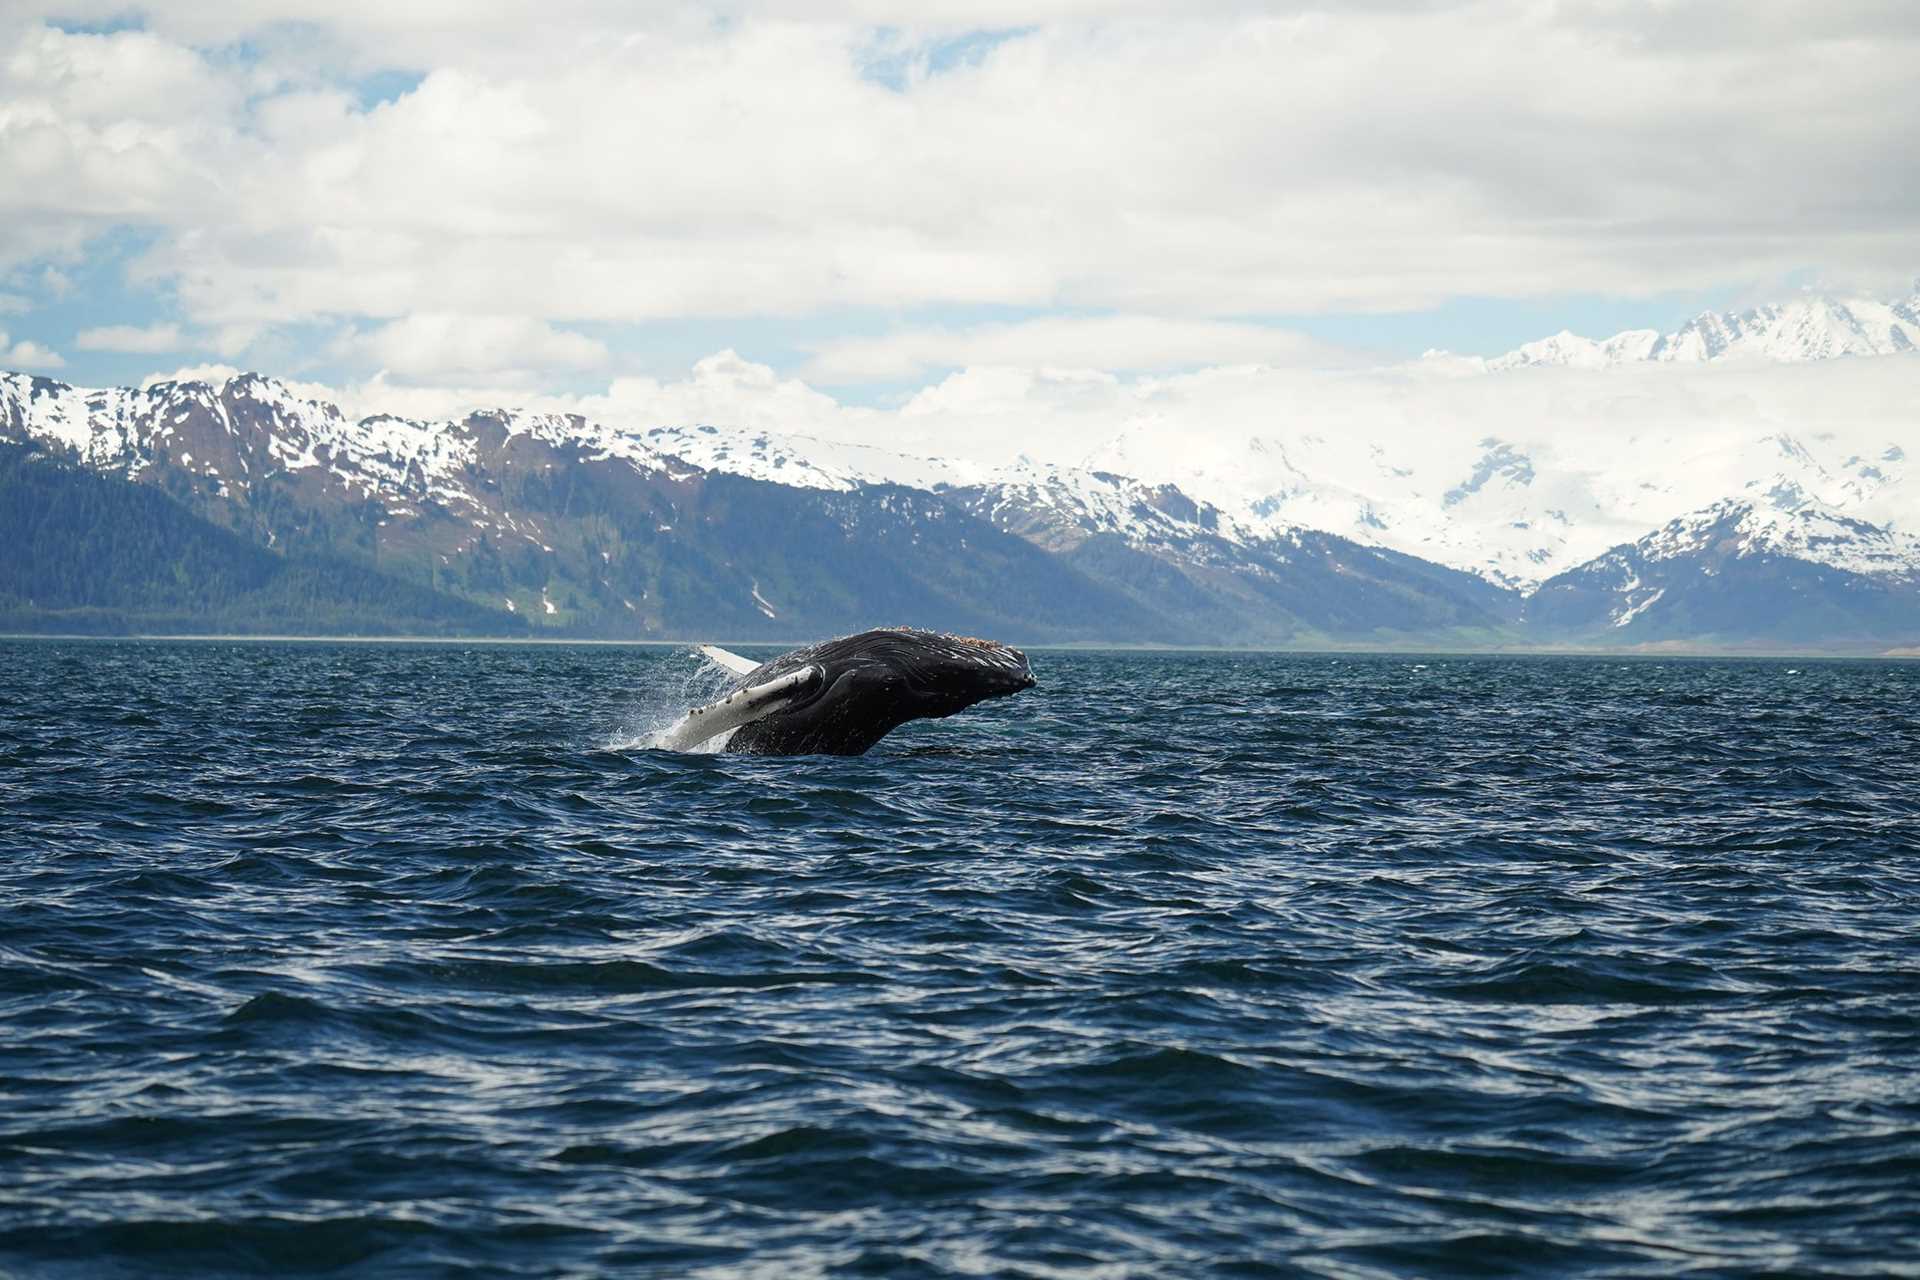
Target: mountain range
[(511, 522), (1816, 327)]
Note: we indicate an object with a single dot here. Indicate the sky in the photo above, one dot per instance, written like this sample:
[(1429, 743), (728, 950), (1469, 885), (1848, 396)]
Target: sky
[(835, 211)]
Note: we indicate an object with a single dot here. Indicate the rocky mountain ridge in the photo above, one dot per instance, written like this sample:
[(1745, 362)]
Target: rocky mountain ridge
[(578, 527), (585, 528)]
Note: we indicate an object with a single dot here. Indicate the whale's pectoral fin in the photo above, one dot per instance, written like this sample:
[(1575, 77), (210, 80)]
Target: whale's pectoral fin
[(742, 706), (730, 661)]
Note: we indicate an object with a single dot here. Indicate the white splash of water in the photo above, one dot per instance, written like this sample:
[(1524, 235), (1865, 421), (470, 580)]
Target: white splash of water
[(677, 687)]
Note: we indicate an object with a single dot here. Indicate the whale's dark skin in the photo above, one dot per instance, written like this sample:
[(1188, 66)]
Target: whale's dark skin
[(873, 683)]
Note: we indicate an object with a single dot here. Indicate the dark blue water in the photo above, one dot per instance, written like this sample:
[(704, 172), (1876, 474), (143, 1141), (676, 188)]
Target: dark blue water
[(323, 957)]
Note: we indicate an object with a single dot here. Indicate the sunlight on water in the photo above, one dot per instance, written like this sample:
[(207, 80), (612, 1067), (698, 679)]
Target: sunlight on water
[(687, 681)]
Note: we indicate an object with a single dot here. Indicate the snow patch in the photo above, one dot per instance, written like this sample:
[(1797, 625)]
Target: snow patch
[(1635, 608), (762, 603)]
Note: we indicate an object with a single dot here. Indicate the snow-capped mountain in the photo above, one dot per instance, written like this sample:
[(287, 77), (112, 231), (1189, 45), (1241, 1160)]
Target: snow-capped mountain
[(562, 522), (1781, 566), (1786, 523), (551, 520), (1232, 578), (1476, 465), (1399, 514), (1518, 509), (1060, 508), (1518, 471), (805, 462), (1815, 327), (250, 429)]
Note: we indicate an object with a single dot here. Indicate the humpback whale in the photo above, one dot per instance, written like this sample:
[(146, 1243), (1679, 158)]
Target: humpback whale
[(842, 696)]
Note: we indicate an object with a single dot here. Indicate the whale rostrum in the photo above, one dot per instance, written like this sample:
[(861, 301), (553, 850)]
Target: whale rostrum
[(842, 696)]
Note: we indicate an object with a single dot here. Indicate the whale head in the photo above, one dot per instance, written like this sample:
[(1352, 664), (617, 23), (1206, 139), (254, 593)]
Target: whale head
[(872, 683), (942, 673)]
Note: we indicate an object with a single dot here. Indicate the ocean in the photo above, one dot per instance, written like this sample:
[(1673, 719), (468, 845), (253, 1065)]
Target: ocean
[(414, 959)]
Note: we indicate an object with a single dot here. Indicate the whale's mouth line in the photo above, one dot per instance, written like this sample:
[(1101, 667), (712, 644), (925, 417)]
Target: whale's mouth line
[(1000, 677), (920, 685)]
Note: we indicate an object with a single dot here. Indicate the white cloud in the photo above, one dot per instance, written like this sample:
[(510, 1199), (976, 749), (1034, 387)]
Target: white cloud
[(230, 340), (721, 388), (1233, 160), (194, 373), (148, 340), (13, 304), (724, 388), (98, 131), (25, 354), (218, 374), (511, 350), (213, 373), (1118, 343)]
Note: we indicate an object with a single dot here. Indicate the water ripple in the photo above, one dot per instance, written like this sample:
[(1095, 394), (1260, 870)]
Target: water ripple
[(415, 959)]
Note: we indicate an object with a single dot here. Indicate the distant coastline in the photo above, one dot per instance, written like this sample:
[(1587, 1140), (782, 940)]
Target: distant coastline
[(1647, 653)]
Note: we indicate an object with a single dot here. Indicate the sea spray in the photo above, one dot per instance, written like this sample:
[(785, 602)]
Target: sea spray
[(662, 704)]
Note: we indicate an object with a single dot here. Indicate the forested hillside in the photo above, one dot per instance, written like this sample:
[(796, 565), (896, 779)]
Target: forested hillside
[(88, 553)]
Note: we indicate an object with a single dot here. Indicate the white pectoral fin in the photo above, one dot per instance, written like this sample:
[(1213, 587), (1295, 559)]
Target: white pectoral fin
[(742, 706), (731, 661)]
